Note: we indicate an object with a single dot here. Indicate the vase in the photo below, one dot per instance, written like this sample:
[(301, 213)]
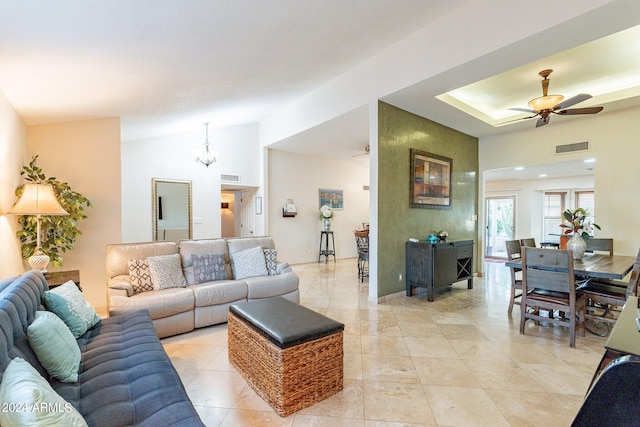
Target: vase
[(327, 225), (577, 245)]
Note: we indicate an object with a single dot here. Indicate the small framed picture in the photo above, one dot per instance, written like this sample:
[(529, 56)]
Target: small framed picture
[(332, 198)]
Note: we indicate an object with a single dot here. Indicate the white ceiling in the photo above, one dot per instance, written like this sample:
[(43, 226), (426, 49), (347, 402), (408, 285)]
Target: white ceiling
[(168, 66)]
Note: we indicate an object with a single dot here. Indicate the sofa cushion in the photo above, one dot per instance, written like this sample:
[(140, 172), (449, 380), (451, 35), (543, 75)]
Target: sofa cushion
[(271, 286), (23, 389), (55, 346), (69, 304), (119, 254), (202, 246), (237, 244), (248, 263), (271, 259), (219, 292), (166, 272), (160, 304), (140, 276), (208, 267)]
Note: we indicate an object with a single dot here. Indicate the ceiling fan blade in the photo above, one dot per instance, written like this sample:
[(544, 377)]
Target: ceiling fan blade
[(524, 110), (542, 121), (572, 111), (572, 101)]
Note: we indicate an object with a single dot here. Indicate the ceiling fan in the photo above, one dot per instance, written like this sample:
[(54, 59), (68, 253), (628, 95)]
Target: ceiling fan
[(546, 105)]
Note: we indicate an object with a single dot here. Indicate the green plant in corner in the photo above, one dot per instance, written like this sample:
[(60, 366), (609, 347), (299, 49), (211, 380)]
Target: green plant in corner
[(59, 233)]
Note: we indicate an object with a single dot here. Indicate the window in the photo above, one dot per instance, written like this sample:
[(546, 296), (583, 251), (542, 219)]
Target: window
[(586, 200), (554, 205)]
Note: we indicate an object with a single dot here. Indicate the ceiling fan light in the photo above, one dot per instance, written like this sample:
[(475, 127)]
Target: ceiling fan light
[(545, 102)]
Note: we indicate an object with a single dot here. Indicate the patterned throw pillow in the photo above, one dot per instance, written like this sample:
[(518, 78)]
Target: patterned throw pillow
[(166, 272), (69, 304), (271, 259), (140, 276), (209, 267), (248, 263)]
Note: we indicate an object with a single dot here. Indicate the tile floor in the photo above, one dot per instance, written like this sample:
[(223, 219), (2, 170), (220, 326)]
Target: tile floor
[(457, 361)]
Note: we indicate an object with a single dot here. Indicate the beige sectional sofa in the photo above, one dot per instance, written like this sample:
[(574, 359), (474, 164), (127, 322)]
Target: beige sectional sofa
[(182, 309)]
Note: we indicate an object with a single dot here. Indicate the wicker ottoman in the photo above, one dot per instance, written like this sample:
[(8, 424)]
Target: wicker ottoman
[(290, 355)]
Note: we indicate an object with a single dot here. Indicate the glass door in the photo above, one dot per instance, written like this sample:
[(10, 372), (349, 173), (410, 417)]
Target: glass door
[(501, 214)]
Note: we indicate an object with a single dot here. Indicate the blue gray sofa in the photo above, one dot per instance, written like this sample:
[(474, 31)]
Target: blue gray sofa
[(125, 377)]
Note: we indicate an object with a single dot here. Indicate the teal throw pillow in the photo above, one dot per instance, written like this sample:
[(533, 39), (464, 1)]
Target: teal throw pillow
[(69, 304), (30, 400), (55, 346)]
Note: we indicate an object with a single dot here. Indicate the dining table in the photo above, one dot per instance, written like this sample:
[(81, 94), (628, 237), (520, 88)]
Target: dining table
[(595, 265)]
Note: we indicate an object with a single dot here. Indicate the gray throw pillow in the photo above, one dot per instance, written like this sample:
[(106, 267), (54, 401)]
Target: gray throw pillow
[(208, 267), (166, 272)]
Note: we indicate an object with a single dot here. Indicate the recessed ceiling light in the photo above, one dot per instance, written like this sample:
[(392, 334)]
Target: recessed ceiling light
[(589, 160), (542, 175), (519, 168)]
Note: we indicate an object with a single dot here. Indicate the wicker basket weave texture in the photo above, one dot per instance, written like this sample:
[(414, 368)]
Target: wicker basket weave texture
[(288, 379)]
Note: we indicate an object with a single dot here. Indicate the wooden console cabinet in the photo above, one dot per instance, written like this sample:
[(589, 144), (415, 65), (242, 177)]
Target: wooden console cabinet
[(438, 265)]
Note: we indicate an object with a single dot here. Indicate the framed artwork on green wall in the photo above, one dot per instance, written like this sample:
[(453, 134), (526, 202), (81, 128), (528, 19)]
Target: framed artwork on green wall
[(332, 198), (430, 180)]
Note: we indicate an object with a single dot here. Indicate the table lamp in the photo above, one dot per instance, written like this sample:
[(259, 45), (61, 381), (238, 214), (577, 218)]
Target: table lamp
[(38, 200)]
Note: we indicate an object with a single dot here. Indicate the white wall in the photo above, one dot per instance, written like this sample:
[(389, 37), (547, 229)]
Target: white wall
[(13, 155), (300, 177), (86, 154), (614, 144), (173, 157)]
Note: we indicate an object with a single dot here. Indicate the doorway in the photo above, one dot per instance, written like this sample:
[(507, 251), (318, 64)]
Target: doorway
[(500, 214)]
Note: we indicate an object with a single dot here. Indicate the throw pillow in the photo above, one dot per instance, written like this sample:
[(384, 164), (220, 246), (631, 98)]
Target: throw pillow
[(33, 400), (68, 303), (140, 276), (166, 272), (55, 347), (271, 259), (208, 267), (248, 263)]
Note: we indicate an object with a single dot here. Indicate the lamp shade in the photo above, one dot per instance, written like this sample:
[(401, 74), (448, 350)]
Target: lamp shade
[(546, 102), (37, 199)]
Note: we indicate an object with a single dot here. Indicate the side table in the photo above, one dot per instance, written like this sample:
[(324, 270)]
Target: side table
[(324, 246), (57, 278)]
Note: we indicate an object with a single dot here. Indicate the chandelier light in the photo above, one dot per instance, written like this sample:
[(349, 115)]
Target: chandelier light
[(208, 155)]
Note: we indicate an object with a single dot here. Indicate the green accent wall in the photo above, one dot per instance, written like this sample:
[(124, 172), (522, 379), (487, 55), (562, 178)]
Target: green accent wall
[(398, 132)]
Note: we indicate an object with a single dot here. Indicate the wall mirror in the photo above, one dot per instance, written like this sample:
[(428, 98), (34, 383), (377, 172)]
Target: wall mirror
[(172, 218)]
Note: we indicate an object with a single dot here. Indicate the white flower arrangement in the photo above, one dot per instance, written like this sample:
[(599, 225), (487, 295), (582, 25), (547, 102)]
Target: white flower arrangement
[(326, 212)]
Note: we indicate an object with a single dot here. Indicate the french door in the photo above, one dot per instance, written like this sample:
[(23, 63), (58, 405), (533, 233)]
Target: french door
[(501, 220)]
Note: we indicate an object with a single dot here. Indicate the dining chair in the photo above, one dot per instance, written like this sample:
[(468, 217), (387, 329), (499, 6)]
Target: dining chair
[(362, 245), (606, 296), (599, 245), (513, 253), (530, 242), (548, 283)]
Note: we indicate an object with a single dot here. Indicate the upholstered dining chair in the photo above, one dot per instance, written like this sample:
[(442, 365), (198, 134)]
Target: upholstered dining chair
[(513, 253), (599, 245), (548, 283)]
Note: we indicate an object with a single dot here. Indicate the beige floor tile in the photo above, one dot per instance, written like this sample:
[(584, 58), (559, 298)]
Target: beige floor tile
[(215, 388), (495, 374), (352, 366), (430, 347), (399, 402), (377, 367), (446, 372), (211, 417), (384, 344), (464, 407), (302, 420), (478, 350), (561, 379), (347, 403), (530, 409), (248, 418), (461, 332)]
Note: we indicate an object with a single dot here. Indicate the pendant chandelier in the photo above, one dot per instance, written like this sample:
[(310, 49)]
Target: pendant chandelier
[(208, 155)]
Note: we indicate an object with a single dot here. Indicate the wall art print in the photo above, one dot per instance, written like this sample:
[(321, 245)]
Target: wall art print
[(430, 180), (332, 198)]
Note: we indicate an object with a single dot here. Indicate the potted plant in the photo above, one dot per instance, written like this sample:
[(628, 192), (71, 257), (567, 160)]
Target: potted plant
[(59, 233), (576, 223)]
